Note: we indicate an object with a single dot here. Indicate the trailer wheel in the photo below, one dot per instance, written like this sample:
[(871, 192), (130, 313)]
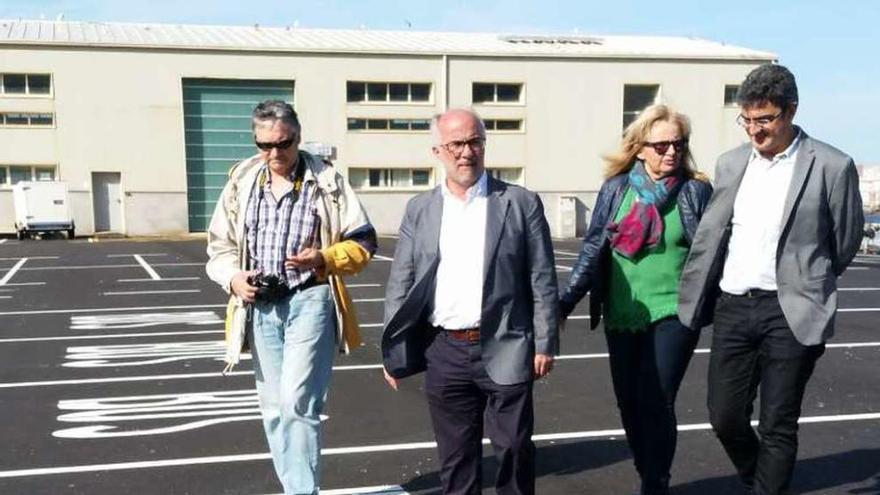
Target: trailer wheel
[(19, 234), (70, 233)]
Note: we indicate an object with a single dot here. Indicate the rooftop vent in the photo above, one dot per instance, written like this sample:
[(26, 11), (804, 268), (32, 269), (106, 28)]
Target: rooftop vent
[(551, 40)]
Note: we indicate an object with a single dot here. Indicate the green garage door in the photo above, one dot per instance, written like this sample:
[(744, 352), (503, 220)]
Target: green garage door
[(217, 121)]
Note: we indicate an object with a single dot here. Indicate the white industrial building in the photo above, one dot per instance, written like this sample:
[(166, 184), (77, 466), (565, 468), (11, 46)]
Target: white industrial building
[(144, 120)]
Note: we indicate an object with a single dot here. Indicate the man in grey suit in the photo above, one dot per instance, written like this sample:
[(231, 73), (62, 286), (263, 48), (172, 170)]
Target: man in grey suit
[(472, 298), (784, 222)]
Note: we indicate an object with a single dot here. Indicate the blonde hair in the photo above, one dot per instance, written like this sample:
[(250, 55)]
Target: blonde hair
[(636, 134)]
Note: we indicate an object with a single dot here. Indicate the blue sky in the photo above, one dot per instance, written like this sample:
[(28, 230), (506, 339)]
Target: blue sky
[(831, 46)]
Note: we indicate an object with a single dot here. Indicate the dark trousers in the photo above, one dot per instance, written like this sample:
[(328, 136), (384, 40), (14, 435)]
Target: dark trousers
[(459, 393), (647, 368), (753, 345)]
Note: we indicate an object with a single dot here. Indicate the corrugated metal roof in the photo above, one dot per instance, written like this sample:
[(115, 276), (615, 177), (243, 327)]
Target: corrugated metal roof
[(293, 39)]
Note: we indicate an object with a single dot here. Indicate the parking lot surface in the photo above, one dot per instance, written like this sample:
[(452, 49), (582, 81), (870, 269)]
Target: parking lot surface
[(110, 359)]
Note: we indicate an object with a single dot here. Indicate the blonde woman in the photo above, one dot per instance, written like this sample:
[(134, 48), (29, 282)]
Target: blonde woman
[(643, 222)]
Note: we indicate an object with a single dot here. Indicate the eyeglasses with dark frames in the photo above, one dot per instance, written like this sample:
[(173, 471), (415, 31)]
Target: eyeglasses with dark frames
[(456, 148), (281, 145), (759, 122), (661, 147)]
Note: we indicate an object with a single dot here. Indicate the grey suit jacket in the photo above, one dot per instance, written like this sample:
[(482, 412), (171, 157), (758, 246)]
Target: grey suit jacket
[(821, 232), (519, 310)]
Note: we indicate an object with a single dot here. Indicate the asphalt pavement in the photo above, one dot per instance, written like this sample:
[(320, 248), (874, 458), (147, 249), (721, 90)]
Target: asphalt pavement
[(110, 383)]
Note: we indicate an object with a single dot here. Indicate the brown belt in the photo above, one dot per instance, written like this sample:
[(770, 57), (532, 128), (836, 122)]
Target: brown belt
[(469, 335)]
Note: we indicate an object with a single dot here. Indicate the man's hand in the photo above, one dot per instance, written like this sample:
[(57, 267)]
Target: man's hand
[(306, 259), (392, 382), (543, 365), (241, 288)]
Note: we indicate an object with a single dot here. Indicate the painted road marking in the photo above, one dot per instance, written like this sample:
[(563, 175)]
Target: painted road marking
[(32, 258), (563, 268), (146, 255), (367, 490), (5, 297), (167, 279), (140, 320), (95, 267), (353, 286), (2, 241), (25, 283), (142, 292), (358, 367), (379, 257), (126, 355), (105, 336), (152, 273), (11, 272), (550, 437)]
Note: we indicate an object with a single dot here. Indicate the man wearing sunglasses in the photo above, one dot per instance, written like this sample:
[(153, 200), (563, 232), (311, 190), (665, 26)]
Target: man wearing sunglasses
[(472, 298), (784, 222), (287, 226)]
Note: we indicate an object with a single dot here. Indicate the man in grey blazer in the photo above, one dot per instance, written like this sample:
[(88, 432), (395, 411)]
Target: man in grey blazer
[(784, 222), (472, 298)]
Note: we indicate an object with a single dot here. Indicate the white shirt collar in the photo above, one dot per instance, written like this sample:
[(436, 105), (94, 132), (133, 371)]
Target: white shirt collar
[(479, 189), (786, 153)]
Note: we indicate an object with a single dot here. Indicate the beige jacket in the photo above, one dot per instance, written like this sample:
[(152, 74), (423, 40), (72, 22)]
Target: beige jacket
[(341, 213)]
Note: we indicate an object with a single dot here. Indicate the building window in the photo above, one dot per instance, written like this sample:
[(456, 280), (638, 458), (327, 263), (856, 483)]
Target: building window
[(25, 84), (637, 97), (503, 125), (730, 92), (511, 175), (13, 174), (387, 92), (388, 124), (13, 119), (500, 93), (390, 178)]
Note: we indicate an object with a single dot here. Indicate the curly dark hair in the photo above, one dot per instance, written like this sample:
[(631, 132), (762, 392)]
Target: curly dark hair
[(769, 82)]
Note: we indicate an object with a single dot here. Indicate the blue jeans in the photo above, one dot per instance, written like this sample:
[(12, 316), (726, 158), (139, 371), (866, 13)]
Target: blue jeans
[(647, 368), (293, 345)]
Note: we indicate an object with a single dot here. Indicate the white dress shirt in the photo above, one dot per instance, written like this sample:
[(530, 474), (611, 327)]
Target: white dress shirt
[(757, 222), (458, 296)]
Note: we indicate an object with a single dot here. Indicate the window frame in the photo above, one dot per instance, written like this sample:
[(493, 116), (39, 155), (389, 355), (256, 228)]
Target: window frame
[(494, 129), (387, 178), (29, 116), (27, 91), (389, 129), (494, 172), (388, 101), (732, 103), (658, 97), (7, 172), (520, 102)]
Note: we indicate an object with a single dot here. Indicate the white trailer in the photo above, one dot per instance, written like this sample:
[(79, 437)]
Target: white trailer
[(42, 207)]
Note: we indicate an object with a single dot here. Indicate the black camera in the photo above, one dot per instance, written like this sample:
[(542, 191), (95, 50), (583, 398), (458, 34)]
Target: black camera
[(270, 287)]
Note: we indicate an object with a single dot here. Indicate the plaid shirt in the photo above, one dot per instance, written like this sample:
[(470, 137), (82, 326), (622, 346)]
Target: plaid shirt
[(277, 229)]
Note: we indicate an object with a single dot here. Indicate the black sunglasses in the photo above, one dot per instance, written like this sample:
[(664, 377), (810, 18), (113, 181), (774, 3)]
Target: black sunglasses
[(661, 147), (281, 145)]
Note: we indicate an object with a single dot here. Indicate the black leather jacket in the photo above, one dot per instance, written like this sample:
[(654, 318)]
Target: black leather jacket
[(590, 272)]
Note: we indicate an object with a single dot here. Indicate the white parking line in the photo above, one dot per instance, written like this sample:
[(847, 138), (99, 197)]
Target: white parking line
[(3, 241), (95, 267), (367, 490), (25, 283), (353, 286), (365, 449), (382, 258), (152, 273), (858, 289), (357, 367), (32, 258), (5, 297), (140, 292), (563, 268), (103, 336), (11, 272), (168, 279), (375, 299), (136, 254), (101, 310)]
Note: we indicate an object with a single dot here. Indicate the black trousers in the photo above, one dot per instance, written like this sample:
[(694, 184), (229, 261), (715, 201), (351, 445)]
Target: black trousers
[(647, 368), (753, 345), (459, 393)]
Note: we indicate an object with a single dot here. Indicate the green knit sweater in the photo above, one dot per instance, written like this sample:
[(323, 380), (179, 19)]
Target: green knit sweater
[(645, 289)]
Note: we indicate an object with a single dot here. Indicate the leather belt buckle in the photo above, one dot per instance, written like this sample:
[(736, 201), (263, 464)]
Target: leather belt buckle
[(469, 335)]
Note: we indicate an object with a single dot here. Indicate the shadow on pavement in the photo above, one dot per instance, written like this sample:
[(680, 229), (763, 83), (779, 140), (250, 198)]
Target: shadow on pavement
[(551, 460), (825, 475)]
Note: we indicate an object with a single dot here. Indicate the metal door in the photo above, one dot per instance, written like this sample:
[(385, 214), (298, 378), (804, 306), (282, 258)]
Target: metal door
[(107, 201)]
